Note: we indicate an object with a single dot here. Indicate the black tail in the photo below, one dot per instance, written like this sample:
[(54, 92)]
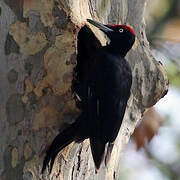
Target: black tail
[(61, 140), (108, 153), (97, 149)]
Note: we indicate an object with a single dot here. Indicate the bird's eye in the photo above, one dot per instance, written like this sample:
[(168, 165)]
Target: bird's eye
[(121, 30)]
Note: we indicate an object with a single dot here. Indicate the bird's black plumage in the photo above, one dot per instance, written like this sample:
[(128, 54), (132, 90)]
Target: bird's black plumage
[(104, 85)]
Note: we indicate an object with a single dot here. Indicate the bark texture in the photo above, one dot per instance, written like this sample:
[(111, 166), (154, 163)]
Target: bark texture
[(37, 56)]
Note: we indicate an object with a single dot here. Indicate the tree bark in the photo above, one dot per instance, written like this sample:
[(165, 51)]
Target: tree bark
[(38, 48)]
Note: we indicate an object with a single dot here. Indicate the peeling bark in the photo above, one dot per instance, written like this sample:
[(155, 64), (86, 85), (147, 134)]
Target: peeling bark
[(38, 48)]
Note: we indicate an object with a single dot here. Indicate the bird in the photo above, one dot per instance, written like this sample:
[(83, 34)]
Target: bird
[(105, 84)]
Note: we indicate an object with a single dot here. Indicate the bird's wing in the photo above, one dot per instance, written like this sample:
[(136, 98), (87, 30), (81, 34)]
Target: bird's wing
[(110, 84), (97, 145), (110, 89)]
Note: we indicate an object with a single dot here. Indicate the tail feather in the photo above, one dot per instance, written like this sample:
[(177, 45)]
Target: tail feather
[(54, 154), (108, 153), (97, 149), (61, 140), (53, 157)]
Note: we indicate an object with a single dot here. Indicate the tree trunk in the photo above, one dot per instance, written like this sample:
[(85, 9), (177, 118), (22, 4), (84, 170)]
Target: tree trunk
[(38, 48)]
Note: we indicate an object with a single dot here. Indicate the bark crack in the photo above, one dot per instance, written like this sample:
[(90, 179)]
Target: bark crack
[(79, 159)]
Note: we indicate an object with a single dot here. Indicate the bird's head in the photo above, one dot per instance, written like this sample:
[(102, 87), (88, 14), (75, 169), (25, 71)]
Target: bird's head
[(121, 37)]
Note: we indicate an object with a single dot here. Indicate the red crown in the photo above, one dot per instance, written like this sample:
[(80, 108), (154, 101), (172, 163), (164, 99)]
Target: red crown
[(125, 27)]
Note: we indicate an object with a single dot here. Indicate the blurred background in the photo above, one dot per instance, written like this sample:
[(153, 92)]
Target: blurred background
[(154, 150)]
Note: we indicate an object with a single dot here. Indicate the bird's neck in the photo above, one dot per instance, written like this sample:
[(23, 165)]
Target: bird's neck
[(118, 50)]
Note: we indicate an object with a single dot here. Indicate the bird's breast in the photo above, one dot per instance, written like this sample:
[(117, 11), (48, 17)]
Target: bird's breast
[(109, 74)]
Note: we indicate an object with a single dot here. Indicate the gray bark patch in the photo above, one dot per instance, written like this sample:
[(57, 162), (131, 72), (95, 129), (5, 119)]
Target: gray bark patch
[(27, 176), (17, 7), (61, 19), (35, 24), (10, 172), (10, 45), (15, 109), (12, 76)]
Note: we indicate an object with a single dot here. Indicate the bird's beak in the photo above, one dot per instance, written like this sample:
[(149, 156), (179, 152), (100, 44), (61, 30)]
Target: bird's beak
[(102, 27)]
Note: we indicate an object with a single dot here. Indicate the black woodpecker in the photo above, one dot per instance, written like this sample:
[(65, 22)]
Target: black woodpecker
[(105, 90)]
